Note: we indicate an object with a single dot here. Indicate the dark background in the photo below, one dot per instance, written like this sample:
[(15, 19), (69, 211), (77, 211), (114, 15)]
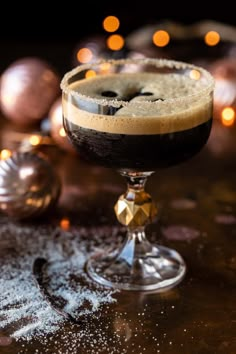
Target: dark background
[(34, 28), (69, 21)]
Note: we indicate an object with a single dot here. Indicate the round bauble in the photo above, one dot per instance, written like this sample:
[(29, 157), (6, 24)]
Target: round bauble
[(28, 87), (29, 186)]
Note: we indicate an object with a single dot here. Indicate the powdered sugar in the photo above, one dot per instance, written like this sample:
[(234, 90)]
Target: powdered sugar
[(24, 312)]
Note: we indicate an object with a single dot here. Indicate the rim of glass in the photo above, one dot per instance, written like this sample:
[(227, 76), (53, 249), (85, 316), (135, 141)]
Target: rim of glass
[(156, 62)]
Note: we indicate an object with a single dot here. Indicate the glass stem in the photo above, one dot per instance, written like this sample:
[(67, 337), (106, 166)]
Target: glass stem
[(137, 264), (135, 246), (135, 210), (136, 180)]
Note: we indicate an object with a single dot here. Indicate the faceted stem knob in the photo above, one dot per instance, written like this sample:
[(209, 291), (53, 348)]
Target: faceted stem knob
[(135, 208)]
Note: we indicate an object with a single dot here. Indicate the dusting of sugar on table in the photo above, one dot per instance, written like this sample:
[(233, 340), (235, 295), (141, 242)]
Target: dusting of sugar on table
[(30, 324), (24, 312)]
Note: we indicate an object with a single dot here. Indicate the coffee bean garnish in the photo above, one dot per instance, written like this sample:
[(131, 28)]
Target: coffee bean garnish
[(109, 94), (145, 93), (159, 99)]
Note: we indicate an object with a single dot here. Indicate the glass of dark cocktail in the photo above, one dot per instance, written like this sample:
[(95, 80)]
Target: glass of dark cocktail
[(137, 116)]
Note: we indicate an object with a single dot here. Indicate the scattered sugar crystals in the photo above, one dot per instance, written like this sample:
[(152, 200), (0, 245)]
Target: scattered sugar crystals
[(24, 312), (27, 320), (30, 325)]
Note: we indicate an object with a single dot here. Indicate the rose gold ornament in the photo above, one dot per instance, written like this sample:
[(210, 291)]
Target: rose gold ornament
[(28, 185), (28, 87), (57, 131)]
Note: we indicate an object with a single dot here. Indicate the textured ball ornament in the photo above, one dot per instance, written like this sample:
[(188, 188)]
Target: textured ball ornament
[(57, 131), (28, 185), (28, 87)]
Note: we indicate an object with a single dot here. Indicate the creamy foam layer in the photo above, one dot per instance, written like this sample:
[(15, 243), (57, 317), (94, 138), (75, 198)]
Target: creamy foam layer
[(156, 103)]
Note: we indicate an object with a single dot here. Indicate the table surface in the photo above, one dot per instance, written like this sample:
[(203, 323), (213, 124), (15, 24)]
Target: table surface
[(197, 217)]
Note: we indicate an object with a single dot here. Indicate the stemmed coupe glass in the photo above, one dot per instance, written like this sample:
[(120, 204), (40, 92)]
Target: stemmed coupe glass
[(137, 116)]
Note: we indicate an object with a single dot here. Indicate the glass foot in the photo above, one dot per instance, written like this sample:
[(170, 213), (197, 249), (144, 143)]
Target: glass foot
[(159, 269)]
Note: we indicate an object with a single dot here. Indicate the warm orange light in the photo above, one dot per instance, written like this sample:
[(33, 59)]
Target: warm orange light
[(105, 67), (34, 140), (84, 55), (228, 116), (5, 153), (65, 223), (62, 132), (195, 74), (115, 42), (111, 24), (161, 38), (90, 73), (212, 38)]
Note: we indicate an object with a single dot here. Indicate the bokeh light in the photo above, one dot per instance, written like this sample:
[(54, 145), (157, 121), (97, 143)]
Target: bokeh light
[(105, 68), (5, 153), (195, 74), (212, 38), (35, 140), (228, 116), (90, 73), (111, 24), (161, 38), (84, 55), (65, 224), (115, 42)]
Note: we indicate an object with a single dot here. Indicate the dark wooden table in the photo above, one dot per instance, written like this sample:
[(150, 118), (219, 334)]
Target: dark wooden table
[(197, 203)]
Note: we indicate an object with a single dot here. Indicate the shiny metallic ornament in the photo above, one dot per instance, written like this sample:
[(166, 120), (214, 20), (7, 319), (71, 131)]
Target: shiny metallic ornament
[(28, 87), (135, 208), (28, 185)]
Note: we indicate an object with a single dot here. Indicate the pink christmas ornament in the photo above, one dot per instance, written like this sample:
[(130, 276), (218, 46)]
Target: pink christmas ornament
[(28, 87)]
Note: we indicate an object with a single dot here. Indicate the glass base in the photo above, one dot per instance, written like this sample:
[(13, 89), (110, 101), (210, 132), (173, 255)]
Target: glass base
[(159, 269)]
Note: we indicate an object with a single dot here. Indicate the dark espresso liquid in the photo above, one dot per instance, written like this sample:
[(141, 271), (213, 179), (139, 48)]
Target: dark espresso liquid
[(141, 152)]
